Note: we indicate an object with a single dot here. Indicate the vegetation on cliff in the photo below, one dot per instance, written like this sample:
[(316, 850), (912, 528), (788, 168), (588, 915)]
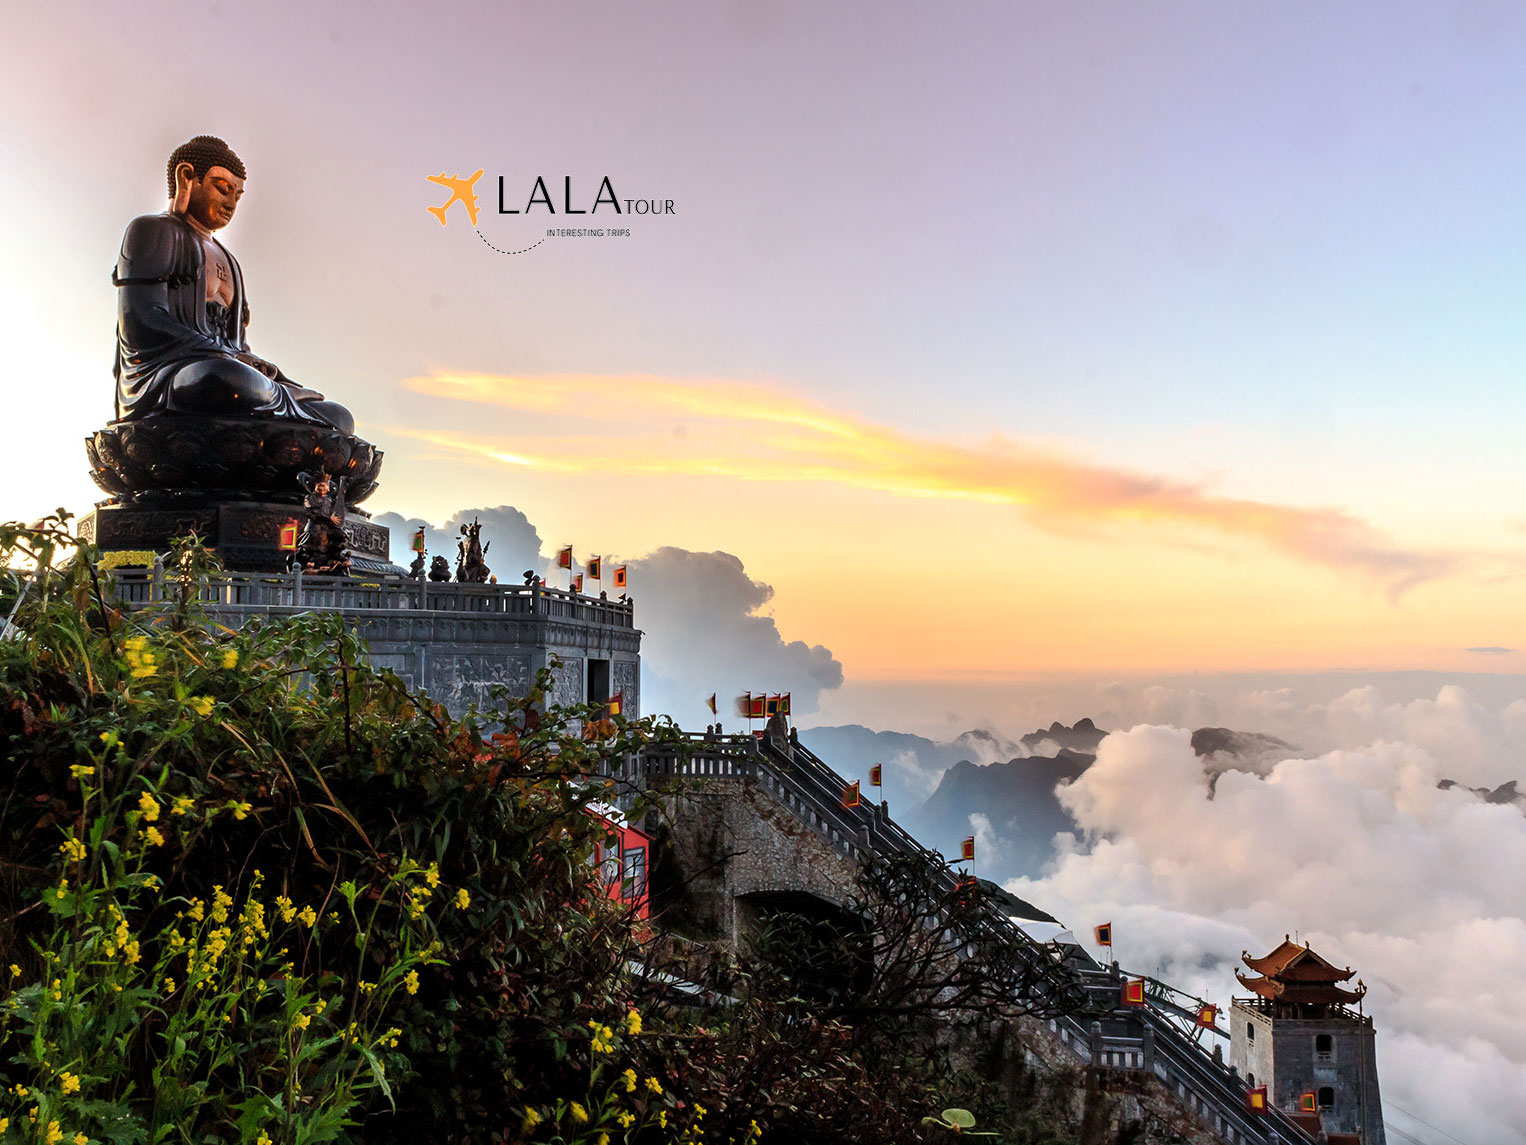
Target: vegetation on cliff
[(255, 890)]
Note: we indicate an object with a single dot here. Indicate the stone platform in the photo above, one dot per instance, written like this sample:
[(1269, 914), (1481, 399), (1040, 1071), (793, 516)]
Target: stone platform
[(246, 534)]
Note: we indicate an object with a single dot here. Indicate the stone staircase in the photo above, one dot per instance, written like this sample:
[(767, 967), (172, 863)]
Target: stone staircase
[(1095, 1028)]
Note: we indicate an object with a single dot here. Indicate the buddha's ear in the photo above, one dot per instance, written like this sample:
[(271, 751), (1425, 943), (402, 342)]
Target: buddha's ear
[(185, 175)]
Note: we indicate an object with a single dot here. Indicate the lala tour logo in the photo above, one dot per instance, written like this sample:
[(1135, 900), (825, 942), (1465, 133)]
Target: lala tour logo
[(607, 214)]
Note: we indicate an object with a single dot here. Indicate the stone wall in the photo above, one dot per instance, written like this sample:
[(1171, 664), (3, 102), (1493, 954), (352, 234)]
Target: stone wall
[(729, 849), (457, 657)]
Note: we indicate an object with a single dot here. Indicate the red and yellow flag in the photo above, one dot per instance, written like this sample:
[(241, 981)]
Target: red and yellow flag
[(1255, 1099), (289, 537), (784, 704), (1133, 992), (592, 567), (564, 558), (577, 583), (710, 703), (616, 703), (619, 576), (967, 849), (850, 795), (1308, 1102), (418, 540), (1104, 934), (876, 775), (1207, 1015)]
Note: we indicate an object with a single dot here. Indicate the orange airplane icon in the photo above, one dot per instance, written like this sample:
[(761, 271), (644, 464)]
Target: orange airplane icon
[(460, 192)]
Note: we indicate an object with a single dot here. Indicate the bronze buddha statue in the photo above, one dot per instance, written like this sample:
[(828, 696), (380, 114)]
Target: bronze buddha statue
[(182, 312)]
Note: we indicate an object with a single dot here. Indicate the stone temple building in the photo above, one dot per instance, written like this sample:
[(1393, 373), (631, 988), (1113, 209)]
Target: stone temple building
[(1299, 1036)]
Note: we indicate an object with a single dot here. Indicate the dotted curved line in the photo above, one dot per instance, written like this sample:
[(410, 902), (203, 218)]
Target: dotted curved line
[(483, 237)]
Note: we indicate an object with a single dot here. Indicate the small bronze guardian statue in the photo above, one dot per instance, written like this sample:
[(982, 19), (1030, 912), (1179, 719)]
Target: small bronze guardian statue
[(322, 549), (471, 567)]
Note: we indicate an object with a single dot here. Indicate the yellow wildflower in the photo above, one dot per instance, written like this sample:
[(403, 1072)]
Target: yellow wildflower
[(630, 1080), (626, 1119), (307, 916), (169, 985), (601, 1139), (240, 810), (578, 1112), (263, 1139), (463, 899), (654, 1085), (5, 1123), (149, 806), (432, 875), (55, 1133), (81, 1139), (301, 1021), (411, 982), (154, 837), (632, 1022), (662, 1118), (110, 738), (82, 770), (286, 908), (532, 1118), (20, 1090), (202, 705), (230, 657), (68, 1082), (182, 805), (73, 850), (15, 971)]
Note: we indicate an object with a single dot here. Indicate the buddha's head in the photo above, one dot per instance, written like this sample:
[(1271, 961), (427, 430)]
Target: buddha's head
[(206, 181)]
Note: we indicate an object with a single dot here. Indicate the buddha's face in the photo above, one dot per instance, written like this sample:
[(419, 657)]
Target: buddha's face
[(214, 197)]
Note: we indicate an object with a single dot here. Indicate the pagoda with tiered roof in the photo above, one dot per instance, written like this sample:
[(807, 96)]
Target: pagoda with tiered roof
[(1295, 982), (1303, 1036)]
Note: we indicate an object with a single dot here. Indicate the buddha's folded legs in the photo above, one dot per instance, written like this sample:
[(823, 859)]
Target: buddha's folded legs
[(226, 387)]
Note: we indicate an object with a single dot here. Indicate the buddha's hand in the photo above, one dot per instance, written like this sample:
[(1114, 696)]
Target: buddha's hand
[(269, 369)]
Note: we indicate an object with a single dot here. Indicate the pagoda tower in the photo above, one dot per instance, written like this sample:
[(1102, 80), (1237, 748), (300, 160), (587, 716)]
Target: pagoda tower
[(1299, 1036)]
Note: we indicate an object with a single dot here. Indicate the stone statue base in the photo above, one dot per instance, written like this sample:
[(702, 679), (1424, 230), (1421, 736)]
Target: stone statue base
[(226, 459), (246, 534)]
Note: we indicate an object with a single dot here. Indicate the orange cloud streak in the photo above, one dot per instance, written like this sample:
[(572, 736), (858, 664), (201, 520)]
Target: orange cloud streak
[(759, 434)]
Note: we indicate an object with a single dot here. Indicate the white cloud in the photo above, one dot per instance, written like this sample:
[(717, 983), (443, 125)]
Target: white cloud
[(1356, 849)]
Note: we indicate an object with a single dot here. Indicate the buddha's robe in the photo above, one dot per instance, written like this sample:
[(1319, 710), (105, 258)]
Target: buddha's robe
[(177, 352)]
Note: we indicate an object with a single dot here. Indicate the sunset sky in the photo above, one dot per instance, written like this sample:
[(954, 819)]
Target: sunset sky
[(1084, 338), (1154, 360)]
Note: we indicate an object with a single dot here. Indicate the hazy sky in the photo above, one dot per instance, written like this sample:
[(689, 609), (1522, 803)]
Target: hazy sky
[(1132, 337), (1028, 351)]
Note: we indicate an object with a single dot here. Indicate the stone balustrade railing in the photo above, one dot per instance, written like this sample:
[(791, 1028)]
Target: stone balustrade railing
[(298, 592)]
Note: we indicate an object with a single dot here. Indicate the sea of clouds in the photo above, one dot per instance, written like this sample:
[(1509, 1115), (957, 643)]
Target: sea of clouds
[(1348, 843)]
